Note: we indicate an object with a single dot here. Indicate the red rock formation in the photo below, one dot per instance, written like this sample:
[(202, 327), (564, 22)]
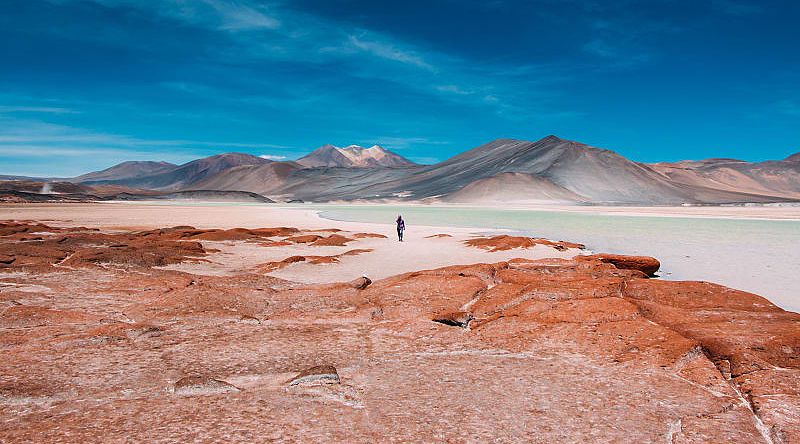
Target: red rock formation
[(303, 239), (186, 233), (506, 242), (334, 240), (645, 264), (139, 254), (369, 235), (316, 260)]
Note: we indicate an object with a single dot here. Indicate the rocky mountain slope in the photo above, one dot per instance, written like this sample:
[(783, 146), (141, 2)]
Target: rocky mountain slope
[(127, 170), (513, 187), (175, 177)]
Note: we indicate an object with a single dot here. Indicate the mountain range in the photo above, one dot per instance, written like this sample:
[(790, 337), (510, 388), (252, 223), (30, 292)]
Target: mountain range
[(550, 170)]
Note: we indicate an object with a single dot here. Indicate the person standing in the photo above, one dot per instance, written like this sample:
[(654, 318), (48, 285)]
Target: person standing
[(401, 226)]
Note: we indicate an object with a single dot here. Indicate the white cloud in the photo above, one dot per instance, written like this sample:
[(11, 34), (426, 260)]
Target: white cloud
[(454, 89), (235, 16), (272, 157), (401, 143), (224, 15)]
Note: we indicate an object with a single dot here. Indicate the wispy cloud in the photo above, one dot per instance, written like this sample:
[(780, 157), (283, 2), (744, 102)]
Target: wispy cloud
[(284, 35), (401, 143), (388, 51), (29, 137), (272, 157), (38, 150), (7, 109), (601, 48), (453, 89), (789, 107), (224, 15), (236, 16), (739, 8)]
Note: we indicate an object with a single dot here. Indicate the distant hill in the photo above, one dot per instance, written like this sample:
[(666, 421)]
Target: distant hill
[(353, 156), (549, 170), (196, 195), (127, 170), (770, 178), (174, 177), (64, 188)]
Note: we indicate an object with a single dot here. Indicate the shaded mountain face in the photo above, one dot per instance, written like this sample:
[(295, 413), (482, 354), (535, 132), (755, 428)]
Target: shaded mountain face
[(127, 170), (513, 188), (179, 177), (353, 156), (793, 158), (261, 179)]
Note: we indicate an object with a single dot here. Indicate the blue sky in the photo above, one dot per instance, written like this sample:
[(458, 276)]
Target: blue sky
[(85, 84)]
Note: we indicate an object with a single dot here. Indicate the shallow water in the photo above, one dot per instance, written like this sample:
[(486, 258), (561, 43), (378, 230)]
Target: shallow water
[(760, 256)]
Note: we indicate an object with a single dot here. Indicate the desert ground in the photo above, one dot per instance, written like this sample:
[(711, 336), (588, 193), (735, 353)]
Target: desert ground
[(146, 323)]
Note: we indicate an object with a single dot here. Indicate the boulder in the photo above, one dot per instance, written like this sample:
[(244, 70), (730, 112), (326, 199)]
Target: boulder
[(361, 283)]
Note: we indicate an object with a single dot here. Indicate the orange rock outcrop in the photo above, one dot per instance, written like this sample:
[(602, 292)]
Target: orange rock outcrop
[(506, 242)]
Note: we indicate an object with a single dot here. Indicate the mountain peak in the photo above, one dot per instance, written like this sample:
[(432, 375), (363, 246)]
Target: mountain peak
[(552, 138), (361, 148), (353, 156)]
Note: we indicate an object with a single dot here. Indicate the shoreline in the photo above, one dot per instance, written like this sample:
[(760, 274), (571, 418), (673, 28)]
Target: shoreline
[(724, 250), (726, 212), (790, 213)]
